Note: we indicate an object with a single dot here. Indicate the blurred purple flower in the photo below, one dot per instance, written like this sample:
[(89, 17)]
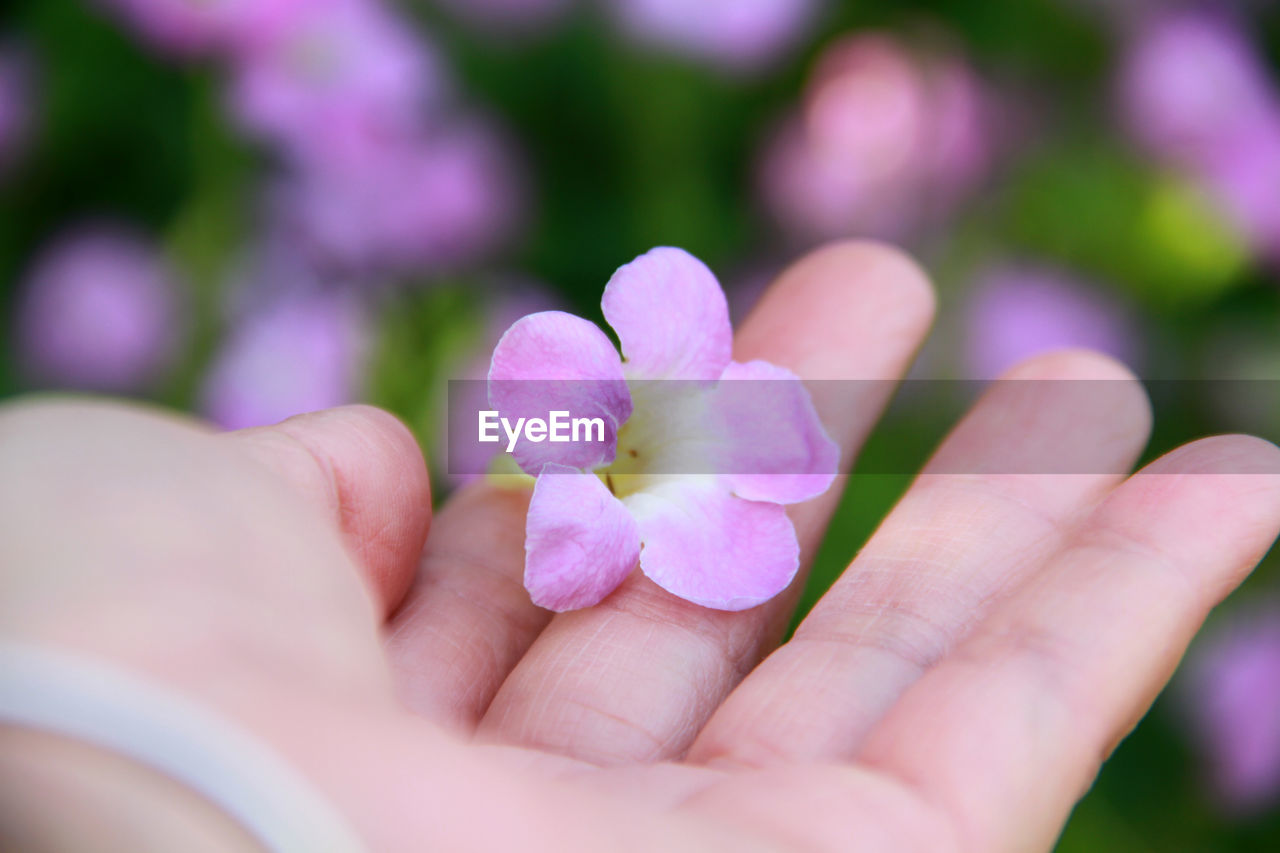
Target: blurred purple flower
[(16, 95), (335, 73), (1243, 175), (1190, 82), (100, 312), (887, 142), (735, 34), (508, 16), (193, 27), (377, 180), (301, 353), (1231, 691), (1196, 94), (432, 202), (351, 97), (1016, 313)]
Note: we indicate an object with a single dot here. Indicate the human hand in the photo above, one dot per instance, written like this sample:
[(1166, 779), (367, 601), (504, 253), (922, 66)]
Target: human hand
[(955, 690)]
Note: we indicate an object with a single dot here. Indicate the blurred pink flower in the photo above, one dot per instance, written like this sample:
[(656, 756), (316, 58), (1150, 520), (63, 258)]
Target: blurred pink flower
[(432, 201), (16, 107), (887, 142), (1016, 313), (191, 27), (301, 353), (735, 34), (100, 312), (333, 73), (1231, 691)]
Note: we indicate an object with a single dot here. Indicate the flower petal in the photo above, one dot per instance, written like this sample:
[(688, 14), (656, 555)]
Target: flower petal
[(553, 361), (712, 548), (670, 315), (775, 447), (580, 541)]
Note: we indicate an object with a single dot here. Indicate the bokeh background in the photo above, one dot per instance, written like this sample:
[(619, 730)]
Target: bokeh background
[(252, 208)]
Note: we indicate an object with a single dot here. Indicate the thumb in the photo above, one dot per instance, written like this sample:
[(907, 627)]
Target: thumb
[(365, 469)]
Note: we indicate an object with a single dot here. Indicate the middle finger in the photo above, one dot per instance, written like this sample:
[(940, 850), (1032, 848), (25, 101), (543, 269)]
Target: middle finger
[(1037, 451)]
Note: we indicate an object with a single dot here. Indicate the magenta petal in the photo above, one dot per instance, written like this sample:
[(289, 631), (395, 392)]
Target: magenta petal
[(580, 541), (670, 315), (775, 447), (712, 548), (553, 361)]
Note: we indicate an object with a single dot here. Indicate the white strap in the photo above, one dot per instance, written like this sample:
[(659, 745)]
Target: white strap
[(242, 776)]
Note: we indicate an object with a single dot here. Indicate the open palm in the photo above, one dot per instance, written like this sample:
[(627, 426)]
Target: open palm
[(956, 690)]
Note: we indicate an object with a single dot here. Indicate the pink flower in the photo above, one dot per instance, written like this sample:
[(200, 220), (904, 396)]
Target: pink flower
[(100, 312), (1016, 313), (692, 473), (736, 34), (886, 143), (1232, 692), (300, 353)]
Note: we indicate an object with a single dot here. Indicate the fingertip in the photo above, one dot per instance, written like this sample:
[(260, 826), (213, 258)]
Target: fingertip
[(1223, 454), (872, 299), (1238, 476), (1219, 495), (1102, 385), (1071, 363), (882, 270)]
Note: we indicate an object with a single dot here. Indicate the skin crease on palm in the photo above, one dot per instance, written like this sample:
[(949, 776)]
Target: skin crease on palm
[(956, 690)]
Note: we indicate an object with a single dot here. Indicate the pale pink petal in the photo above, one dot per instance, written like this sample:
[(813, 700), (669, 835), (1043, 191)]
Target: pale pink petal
[(580, 541), (775, 447), (670, 315), (712, 548), (553, 361)]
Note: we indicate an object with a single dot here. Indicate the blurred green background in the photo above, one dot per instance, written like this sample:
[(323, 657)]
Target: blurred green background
[(622, 146)]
